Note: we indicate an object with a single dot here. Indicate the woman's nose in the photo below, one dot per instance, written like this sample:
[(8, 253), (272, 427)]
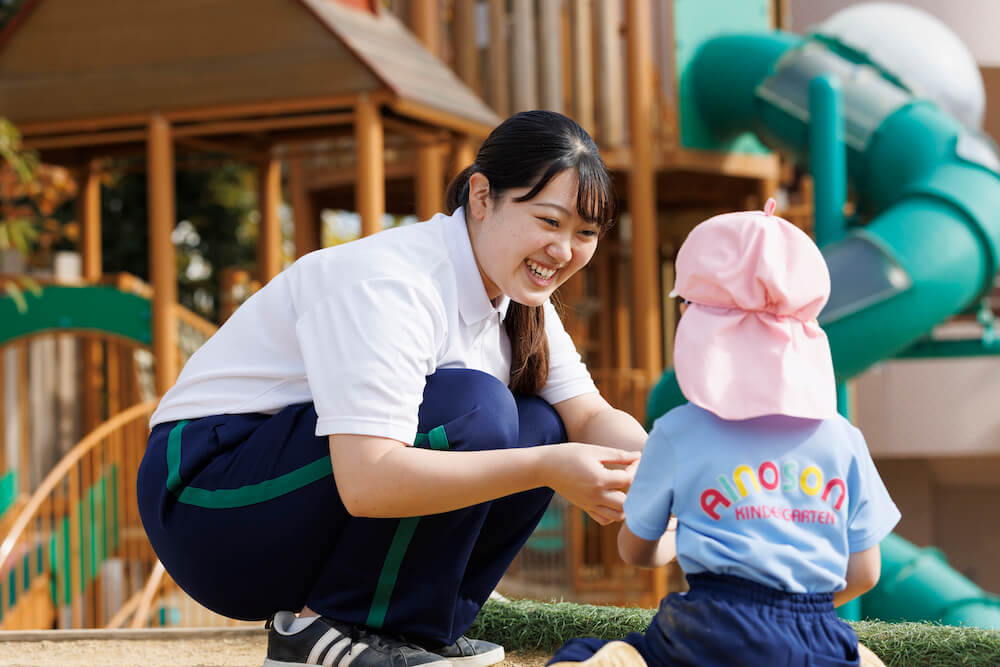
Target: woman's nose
[(560, 250)]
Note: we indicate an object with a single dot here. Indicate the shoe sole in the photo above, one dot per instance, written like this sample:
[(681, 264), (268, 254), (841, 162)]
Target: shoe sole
[(612, 654), (480, 660), (268, 662)]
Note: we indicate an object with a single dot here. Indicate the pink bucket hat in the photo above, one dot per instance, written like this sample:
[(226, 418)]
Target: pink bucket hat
[(748, 344)]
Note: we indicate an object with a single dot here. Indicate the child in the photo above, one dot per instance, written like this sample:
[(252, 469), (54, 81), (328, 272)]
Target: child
[(779, 508)]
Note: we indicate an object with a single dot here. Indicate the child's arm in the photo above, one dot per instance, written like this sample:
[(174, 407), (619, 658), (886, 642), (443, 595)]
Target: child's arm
[(863, 571), (648, 553)]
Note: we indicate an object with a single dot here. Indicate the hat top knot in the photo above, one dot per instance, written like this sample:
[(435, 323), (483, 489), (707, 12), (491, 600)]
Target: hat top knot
[(753, 261)]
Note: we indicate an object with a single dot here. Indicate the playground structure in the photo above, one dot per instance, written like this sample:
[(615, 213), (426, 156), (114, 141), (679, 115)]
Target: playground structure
[(73, 552), (657, 122), (927, 188)]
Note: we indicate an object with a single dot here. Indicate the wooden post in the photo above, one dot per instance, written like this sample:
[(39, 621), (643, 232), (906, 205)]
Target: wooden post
[(622, 315), (23, 419), (550, 62), (269, 232), (462, 156), (499, 58), (571, 294), (429, 178), (425, 17), (525, 77), (230, 280), (162, 256), (581, 23), (89, 210), (74, 581), (611, 97), (369, 188), (307, 237), (466, 49), (429, 181), (642, 193), (604, 276)]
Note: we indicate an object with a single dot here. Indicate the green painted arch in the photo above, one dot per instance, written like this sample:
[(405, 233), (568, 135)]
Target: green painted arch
[(91, 308)]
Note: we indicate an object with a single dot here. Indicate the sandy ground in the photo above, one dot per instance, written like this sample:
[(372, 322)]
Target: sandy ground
[(235, 647)]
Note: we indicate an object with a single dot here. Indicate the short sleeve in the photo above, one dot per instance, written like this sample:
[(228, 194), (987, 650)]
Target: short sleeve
[(568, 375), (368, 349), (650, 499), (871, 515)]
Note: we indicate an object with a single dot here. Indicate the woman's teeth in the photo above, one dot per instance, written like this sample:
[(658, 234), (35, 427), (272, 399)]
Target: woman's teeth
[(540, 270)]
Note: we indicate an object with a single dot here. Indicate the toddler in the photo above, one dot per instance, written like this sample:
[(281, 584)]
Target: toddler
[(779, 508)]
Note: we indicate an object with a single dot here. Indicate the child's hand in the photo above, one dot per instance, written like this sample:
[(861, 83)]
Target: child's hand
[(592, 477)]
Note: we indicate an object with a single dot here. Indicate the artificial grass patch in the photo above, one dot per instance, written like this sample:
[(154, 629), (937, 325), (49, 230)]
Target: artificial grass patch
[(526, 625)]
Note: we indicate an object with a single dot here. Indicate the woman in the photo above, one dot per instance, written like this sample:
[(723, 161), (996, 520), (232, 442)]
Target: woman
[(438, 335)]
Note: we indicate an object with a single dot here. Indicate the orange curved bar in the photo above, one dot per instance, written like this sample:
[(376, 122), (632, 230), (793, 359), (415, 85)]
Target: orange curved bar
[(63, 467)]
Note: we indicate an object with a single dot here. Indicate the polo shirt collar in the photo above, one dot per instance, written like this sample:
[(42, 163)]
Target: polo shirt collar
[(473, 303)]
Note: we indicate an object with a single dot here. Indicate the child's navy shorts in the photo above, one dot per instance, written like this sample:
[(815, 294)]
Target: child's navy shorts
[(725, 620)]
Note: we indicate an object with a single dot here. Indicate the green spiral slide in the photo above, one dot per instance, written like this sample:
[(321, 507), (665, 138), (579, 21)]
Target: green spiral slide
[(929, 192)]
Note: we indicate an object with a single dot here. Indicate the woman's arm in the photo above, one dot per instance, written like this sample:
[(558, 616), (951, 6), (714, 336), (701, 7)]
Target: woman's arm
[(648, 553), (380, 477), (590, 418), (863, 570)]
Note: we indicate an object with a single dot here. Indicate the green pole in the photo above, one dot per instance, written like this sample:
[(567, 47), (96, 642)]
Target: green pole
[(827, 158), (828, 165)]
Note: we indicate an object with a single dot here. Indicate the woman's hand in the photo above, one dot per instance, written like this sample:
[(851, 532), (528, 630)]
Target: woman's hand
[(592, 477)]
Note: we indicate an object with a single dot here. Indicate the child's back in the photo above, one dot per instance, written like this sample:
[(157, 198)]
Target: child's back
[(777, 500)]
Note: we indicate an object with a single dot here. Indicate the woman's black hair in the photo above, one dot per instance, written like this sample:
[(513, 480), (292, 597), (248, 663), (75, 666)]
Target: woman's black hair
[(528, 150)]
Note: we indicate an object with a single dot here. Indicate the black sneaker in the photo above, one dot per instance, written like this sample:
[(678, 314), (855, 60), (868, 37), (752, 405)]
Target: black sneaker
[(470, 652), (334, 644)]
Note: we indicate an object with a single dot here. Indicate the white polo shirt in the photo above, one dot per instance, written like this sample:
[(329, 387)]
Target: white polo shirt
[(356, 329)]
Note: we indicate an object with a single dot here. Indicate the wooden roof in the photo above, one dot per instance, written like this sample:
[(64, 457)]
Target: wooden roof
[(105, 64)]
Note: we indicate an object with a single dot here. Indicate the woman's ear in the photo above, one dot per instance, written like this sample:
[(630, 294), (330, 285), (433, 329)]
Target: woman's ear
[(479, 196)]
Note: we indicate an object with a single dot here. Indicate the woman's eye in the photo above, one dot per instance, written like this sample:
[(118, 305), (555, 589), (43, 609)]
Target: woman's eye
[(549, 221), (589, 233)]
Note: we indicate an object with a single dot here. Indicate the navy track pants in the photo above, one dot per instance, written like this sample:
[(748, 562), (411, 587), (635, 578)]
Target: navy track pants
[(725, 620), (243, 511)]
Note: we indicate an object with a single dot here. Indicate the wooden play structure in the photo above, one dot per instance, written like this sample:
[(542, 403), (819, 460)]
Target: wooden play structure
[(366, 106)]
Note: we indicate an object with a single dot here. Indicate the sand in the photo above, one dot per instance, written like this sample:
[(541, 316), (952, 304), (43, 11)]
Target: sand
[(230, 647)]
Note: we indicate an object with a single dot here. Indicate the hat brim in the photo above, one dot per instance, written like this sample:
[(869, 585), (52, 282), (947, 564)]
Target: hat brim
[(739, 364)]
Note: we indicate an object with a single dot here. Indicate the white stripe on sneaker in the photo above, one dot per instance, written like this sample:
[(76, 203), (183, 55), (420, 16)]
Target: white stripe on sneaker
[(356, 650), (334, 651), (490, 657), (328, 637)]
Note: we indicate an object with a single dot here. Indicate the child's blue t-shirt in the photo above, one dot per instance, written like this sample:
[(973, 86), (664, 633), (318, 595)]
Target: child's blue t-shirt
[(778, 500)]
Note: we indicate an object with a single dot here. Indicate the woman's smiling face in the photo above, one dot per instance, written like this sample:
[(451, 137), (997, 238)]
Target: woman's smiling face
[(529, 248)]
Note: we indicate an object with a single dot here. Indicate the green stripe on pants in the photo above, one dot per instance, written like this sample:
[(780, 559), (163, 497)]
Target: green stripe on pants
[(400, 541)]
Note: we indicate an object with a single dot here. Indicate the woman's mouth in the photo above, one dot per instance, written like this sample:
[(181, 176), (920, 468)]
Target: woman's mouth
[(542, 274)]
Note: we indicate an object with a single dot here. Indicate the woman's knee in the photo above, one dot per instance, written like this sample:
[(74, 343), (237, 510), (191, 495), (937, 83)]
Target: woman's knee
[(476, 410), (538, 422)]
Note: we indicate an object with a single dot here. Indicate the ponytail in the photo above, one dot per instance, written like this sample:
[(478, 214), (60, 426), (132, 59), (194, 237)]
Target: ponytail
[(458, 190), (529, 347)]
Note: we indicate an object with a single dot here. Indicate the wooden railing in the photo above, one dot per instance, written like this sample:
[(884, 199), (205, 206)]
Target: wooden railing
[(162, 603), (58, 384), (77, 550)]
